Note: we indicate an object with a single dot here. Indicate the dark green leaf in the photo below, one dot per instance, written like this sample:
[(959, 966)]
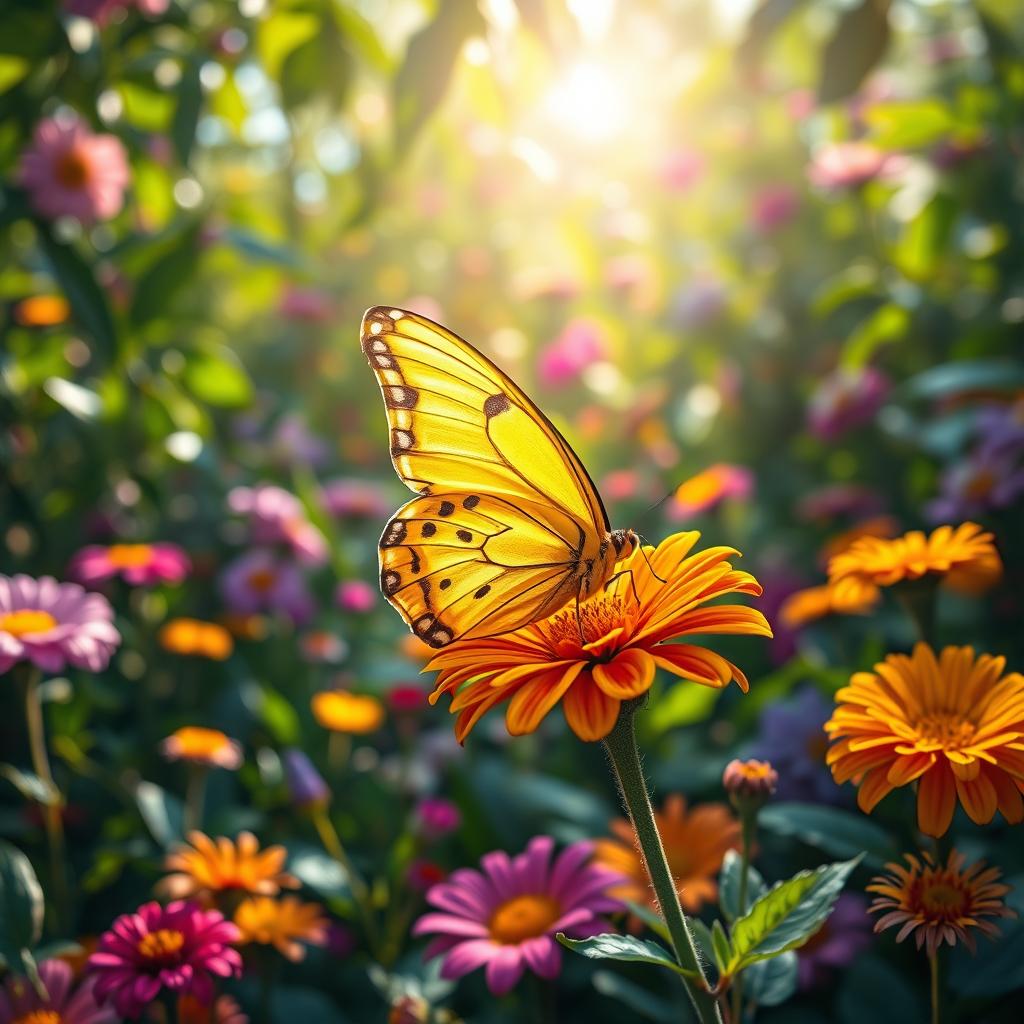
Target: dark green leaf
[(214, 375), (950, 379), (611, 946), (21, 909), (999, 969), (877, 991), (720, 945), (161, 811), (639, 1000), (771, 982), (166, 276), (909, 123), (186, 113), (836, 832), (28, 29), (729, 886), (857, 45)]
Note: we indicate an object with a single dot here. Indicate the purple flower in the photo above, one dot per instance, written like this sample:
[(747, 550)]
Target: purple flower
[(178, 948), (349, 498), (845, 933), (137, 564), (53, 624), (846, 399), (293, 441), (982, 481), (437, 817), (306, 785), (505, 916), (259, 581), (564, 359), (276, 516), (834, 500), (21, 1004)]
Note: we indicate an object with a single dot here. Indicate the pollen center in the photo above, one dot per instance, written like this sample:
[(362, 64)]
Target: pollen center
[(947, 729), (129, 556), (72, 170), (522, 918), (940, 899), (262, 580), (162, 944), (38, 1017), (26, 621), (597, 618)]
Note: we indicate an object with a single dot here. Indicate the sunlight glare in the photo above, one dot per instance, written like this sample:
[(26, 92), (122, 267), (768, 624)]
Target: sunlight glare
[(588, 103)]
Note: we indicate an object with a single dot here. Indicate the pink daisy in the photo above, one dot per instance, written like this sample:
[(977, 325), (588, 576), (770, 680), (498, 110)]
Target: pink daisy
[(137, 564), (20, 1003), (70, 172), (276, 516), (53, 624), (505, 917), (580, 344), (178, 948)]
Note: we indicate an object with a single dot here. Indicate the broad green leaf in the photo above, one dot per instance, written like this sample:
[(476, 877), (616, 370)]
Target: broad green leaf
[(21, 909), (835, 831), (680, 705), (651, 918), (909, 124), (729, 886), (166, 276), (857, 45), (950, 379), (12, 71), (279, 716), (788, 914), (323, 874), (162, 812), (214, 375), (771, 982), (857, 282), (288, 26), (888, 323), (720, 945), (926, 239), (186, 113), (628, 948)]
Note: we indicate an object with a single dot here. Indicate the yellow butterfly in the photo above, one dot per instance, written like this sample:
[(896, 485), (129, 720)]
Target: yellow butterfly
[(508, 525)]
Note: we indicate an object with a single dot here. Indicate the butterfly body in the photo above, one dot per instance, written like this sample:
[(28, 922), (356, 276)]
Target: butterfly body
[(507, 526)]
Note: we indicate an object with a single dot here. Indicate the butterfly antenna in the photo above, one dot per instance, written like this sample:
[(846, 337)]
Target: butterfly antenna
[(648, 561)]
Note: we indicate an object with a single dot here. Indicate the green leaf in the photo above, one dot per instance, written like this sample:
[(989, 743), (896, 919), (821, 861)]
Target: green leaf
[(28, 29), (279, 716), (680, 705), (161, 811), (786, 916), (888, 323), (21, 910), (857, 45), (857, 282), (909, 124), (12, 71), (652, 919), (186, 113), (926, 239), (950, 379), (323, 874), (215, 376), (837, 832), (720, 945), (166, 276), (771, 982), (729, 886), (999, 970), (766, 20), (612, 985), (626, 948)]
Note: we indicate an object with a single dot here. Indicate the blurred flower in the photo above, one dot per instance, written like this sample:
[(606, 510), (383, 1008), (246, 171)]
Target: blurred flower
[(197, 745), (341, 940), (620, 485), (54, 624), (322, 646), (774, 206), (939, 903), (101, 11), (846, 399), (283, 923), (306, 305), (699, 303), (505, 916), (681, 169), (355, 596), (407, 698), (223, 1010), (563, 360), (982, 481), (41, 311), (70, 172), (20, 1003), (828, 503), (349, 498), (544, 283), (259, 581), (837, 943), (625, 629), (710, 487), (413, 647), (245, 627), (801, 103), (954, 724), (293, 441), (174, 948), (813, 603), (436, 817), (407, 1009), (749, 779), (204, 867), (341, 711), (276, 516), (876, 526), (137, 564), (695, 844), (306, 786), (191, 636), (422, 874), (837, 165), (963, 557)]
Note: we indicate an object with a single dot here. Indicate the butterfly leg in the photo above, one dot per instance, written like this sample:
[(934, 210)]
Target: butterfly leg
[(632, 582)]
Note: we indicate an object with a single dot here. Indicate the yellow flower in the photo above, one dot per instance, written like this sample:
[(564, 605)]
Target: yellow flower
[(341, 711), (197, 745), (190, 636), (282, 923), (964, 558), (856, 597), (939, 902), (210, 866), (955, 724)]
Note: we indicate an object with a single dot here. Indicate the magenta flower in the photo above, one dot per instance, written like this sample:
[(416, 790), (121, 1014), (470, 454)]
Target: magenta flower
[(306, 305), (350, 498), (564, 359), (839, 165), (178, 948), (101, 11), (505, 917), (773, 207), (437, 817), (21, 1004), (846, 399), (70, 172), (259, 581), (355, 596), (276, 516), (138, 564), (54, 624)]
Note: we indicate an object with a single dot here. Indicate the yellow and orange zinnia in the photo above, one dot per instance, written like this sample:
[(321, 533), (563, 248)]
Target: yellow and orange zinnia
[(191, 636), (812, 603), (283, 923), (342, 711), (953, 723), (593, 658)]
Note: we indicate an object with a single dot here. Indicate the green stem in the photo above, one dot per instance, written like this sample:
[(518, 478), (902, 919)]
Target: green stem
[(625, 757), (919, 598), (749, 827), (933, 963), (195, 797)]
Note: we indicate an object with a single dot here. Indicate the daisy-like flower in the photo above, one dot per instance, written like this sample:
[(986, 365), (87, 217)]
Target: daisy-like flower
[(259, 581), (939, 902), (283, 923), (223, 1010), (505, 916), (625, 629), (836, 944), (70, 172), (751, 778), (846, 399), (954, 723), (695, 843), (198, 745), (963, 557), (341, 711), (205, 867), (276, 516), (137, 564), (191, 636), (63, 1003), (709, 488), (54, 624), (813, 603), (178, 948)]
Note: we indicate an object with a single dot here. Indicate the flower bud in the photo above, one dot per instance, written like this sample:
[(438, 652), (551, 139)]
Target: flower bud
[(749, 783), (306, 786)]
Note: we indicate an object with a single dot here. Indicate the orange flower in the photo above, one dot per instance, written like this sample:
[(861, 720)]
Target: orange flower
[(955, 724), (624, 634), (283, 924), (877, 526), (207, 866), (197, 745), (939, 902), (965, 558), (341, 711), (190, 636), (856, 597), (42, 311), (695, 845)]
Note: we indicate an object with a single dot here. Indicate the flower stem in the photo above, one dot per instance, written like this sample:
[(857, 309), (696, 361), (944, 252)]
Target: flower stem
[(749, 827), (933, 963), (195, 797), (625, 757), (919, 598)]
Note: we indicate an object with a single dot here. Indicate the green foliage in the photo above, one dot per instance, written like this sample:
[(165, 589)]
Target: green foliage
[(831, 830), (626, 948), (21, 912), (729, 881)]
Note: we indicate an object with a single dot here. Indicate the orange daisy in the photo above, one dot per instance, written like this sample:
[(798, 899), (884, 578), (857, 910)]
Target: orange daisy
[(206, 866), (341, 711), (198, 745), (191, 636), (954, 723), (284, 924), (695, 842), (876, 526), (939, 902), (625, 630), (857, 597), (965, 558)]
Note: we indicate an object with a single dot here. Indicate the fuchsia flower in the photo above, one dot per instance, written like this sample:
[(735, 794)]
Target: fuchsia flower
[(259, 581), (308, 305), (839, 165), (20, 1003), (846, 399), (276, 516), (137, 564), (355, 596), (774, 206), (101, 11), (178, 948), (70, 172), (437, 817), (54, 624), (505, 917), (681, 169), (564, 359)]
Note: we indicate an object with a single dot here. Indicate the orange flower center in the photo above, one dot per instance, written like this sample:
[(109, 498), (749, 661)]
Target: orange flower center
[(39, 1017), (981, 484), (26, 621), (522, 918), (941, 899), (162, 944), (262, 580), (129, 556), (72, 169), (597, 618), (947, 729)]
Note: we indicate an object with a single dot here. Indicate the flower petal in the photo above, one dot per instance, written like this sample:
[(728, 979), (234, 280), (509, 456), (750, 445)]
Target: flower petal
[(591, 714), (936, 800), (629, 674)]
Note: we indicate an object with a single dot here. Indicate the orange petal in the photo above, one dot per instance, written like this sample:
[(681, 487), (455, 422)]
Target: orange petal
[(629, 674), (536, 698), (872, 789), (906, 769), (590, 713), (936, 800), (978, 797), (694, 663), (1011, 805)]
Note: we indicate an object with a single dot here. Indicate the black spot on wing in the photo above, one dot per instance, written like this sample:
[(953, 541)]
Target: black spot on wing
[(432, 631), (445, 584), (400, 396), (464, 535), (390, 581), (429, 529), (483, 591), (494, 405), (471, 502), (394, 534), (447, 508)]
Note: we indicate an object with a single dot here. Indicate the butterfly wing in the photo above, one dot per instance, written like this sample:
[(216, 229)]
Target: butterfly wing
[(506, 509)]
